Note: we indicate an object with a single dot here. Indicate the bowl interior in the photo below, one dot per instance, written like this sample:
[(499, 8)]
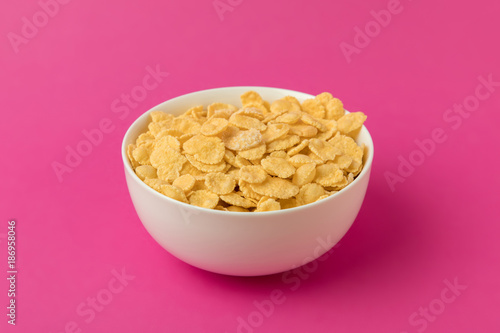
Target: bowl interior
[(231, 95)]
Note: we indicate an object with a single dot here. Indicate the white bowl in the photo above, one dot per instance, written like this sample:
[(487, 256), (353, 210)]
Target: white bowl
[(243, 244)]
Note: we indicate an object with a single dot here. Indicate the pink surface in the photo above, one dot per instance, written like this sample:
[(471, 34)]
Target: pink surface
[(422, 229)]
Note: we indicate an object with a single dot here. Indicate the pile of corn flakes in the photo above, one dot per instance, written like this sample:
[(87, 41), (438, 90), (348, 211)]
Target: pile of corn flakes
[(260, 157)]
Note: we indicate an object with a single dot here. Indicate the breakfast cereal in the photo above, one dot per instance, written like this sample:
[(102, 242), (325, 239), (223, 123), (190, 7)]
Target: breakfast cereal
[(256, 158)]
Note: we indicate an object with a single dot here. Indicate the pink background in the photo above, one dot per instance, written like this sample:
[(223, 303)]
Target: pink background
[(440, 224)]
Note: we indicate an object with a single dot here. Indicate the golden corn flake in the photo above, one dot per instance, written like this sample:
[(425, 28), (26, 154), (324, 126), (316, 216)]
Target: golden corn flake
[(204, 198), (274, 132), (220, 183), (349, 147), (288, 203), (328, 175), (253, 153), (224, 113), (142, 155), (257, 158), (299, 160), (173, 192), (305, 131), (334, 109), (250, 97), (251, 112), (324, 98), (288, 118), (185, 182), (280, 154), (236, 209), (130, 150), (237, 200), (253, 174), (206, 149), (351, 122), (256, 106), (157, 128), (267, 205), (247, 191), (186, 125), (145, 138), (331, 126), (145, 171), (214, 126), (246, 122), (199, 184), (206, 167), (309, 120), (276, 188), (305, 174), (343, 161), (155, 183), (170, 131), (314, 108), (277, 166), (309, 193), (283, 144), (196, 112), (269, 117), (168, 141), (324, 150), (298, 148), (158, 116), (294, 102), (234, 172), (281, 106), (236, 139), (169, 172), (220, 106), (189, 169), (166, 155), (240, 162)]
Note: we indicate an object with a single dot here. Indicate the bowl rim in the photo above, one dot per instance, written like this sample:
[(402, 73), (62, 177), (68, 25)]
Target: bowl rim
[(129, 170)]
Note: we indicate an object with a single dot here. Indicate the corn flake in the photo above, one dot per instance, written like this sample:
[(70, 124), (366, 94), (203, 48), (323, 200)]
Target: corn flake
[(309, 193), (351, 122), (220, 183), (276, 188), (185, 182), (246, 122), (305, 174), (253, 174), (173, 192), (146, 171), (314, 108), (237, 140), (214, 126), (205, 149), (277, 166), (235, 199), (250, 97), (253, 153), (204, 198), (267, 205)]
